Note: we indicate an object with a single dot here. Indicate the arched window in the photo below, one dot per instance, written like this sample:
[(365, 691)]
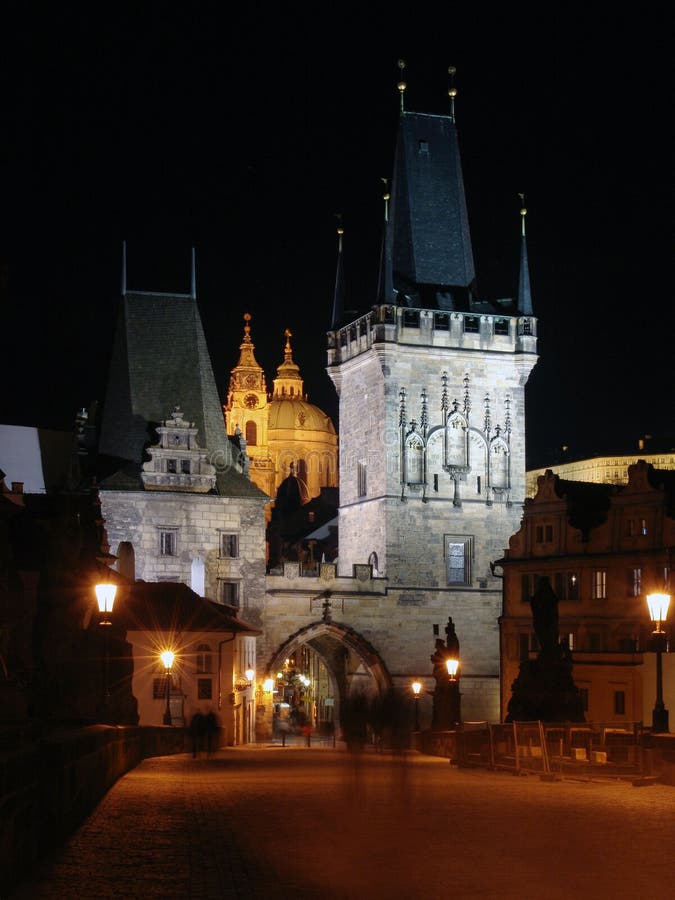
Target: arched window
[(414, 459), (251, 434), (455, 441), (499, 465)]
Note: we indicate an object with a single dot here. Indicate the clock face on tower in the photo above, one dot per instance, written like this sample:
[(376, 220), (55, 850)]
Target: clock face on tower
[(250, 401)]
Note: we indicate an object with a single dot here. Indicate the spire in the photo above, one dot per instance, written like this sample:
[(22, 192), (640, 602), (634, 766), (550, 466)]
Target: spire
[(429, 257), (124, 268), (524, 294), (339, 291), (193, 277), (288, 382), (384, 288), (401, 83), (452, 91)]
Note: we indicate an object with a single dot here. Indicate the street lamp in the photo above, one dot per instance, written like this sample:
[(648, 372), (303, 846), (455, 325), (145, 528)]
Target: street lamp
[(416, 688), (250, 675), (658, 611), (167, 657), (105, 595), (452, 665)]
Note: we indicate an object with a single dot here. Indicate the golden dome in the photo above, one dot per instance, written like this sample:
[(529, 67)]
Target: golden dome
[(296, 413)]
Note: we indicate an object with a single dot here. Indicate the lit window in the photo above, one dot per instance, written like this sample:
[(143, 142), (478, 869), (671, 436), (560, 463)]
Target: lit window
[(566, 585), (634, 578), (203, 658), (600, 584), (229, 546), (167, 543)]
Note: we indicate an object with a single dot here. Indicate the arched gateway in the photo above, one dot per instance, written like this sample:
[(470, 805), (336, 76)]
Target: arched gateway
[(317, 669)]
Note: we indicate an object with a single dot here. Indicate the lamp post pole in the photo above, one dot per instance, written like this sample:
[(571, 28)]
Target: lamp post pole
[(416, 688), (658, 610), (167, 657), (452, 665), (105, 596)]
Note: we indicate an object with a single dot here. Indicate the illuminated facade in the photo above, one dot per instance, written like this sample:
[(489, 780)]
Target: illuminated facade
[(283, 431), (603, 548)]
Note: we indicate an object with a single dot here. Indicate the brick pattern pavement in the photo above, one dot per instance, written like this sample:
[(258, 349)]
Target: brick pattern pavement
[(319, 824)]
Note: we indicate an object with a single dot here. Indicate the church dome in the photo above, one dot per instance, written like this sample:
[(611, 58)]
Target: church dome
[(296, 413)]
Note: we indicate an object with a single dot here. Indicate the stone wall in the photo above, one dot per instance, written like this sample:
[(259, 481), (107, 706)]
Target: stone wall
[(49, 784)]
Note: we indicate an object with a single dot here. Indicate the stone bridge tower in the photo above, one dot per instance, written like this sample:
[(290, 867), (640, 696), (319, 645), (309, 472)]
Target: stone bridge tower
[(431, 384)]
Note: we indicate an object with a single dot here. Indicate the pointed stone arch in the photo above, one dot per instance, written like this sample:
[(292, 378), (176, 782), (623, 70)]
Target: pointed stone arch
[(326, 639)]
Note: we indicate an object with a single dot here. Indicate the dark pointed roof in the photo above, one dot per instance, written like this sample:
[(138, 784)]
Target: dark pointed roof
[(428, 239), (160, 359)]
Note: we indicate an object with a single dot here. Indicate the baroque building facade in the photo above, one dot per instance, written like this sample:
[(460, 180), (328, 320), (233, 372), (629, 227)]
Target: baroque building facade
[(603, 548)]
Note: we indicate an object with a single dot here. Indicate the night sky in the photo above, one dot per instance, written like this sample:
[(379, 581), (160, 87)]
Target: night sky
[(245, 134)]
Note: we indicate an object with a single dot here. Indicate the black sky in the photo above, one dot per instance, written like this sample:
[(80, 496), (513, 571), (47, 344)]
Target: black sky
[(244, 133)]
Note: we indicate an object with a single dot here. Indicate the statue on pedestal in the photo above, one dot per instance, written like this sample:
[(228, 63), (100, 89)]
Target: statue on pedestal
[(544, 689), (446, 696)]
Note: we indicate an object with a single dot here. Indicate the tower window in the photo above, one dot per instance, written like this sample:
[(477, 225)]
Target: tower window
[(423, 146), (362, 481), (185, 466), (167, 543), (229, 593), (458, 554), (171, 466), (251, 433), (471, 324), (229, 546), (501, 326)]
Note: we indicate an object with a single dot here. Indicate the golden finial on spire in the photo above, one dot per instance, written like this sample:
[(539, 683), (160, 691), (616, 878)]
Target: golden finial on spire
[(452, 90), (247, 327), (401, 85), (288, 334), (386, 197), (523, 213)]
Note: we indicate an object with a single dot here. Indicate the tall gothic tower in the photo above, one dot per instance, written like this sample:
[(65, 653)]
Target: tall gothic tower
[(431, 385)]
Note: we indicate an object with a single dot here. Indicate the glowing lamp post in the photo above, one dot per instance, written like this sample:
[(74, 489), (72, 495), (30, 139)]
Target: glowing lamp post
[(452, 666), (167, 657), (658, 611), (250, 675), (416, 688), (105, 596), (268, 685)]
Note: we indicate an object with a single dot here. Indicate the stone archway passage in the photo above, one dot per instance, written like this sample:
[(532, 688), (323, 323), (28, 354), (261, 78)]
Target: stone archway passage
[(350, 663)]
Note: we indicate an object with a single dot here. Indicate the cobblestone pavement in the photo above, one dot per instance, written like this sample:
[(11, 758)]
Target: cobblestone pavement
[(301, 823)]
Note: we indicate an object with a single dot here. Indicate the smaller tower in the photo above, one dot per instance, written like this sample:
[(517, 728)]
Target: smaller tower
[(247, 410)]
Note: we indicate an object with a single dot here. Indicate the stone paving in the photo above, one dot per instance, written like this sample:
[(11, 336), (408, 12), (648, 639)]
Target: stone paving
[(268, 822)]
